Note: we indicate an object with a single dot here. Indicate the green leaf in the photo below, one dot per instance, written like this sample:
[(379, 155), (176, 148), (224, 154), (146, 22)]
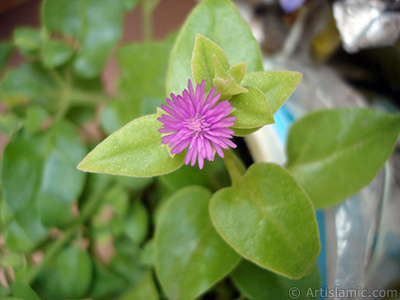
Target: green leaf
[(238, 71), (71, 264), (118, 198), (13, 260), (10, 123), (30, 82), (20, 177), (251, 109), (190, 256), (4, 292), (268, 219), (35, 116), (219, 21), (149, 79), (203, 61), (55, 53), (134, 150), (277, 86), (21, 168), (105, 283), (260, 284), (27, 40), (147, 255), (39, 177), (334, 153), (141, 90), (97, 25), (214, 176), (61, 183), (5, 212), (84, 91), (81, 115), (48, 283), (145, 289), (224, 83), (119, 112), (24, 235), (23, 291), (108, 221), (5, 54), (136, 225), (126, 262)]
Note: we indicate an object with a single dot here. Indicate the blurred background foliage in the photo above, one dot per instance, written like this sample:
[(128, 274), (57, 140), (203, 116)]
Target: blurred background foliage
[(64, 233)]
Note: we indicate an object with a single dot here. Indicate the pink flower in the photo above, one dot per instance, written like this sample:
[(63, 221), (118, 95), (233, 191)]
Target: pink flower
[(198, 122)]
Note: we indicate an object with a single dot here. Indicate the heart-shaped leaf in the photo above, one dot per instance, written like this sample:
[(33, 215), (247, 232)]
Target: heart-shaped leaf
[(27, 40), (190, 256), (334, 153), (277, 86), (267, 217), (73, 263), (251, 109), (55, 53), (220, 22), (134, 150)]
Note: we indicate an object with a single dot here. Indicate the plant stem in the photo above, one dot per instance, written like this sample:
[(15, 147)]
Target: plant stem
[(87, 211), (64, 104), (234, 165), (148, 25), (65, 87), (58, 79), (148, 7)]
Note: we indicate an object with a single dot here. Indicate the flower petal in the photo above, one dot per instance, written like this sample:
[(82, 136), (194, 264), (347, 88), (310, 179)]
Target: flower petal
[(198, 123)]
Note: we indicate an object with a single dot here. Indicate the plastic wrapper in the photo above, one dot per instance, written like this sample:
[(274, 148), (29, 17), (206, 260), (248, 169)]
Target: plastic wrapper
[(360, 237), (367, 23)]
